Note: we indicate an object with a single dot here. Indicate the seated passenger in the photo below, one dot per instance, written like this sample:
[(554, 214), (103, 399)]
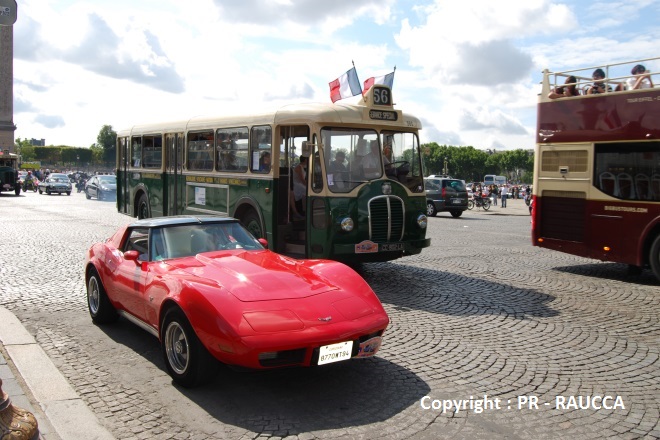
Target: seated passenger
[(569, 89), (641, 80), (598, 86), (338, 170)]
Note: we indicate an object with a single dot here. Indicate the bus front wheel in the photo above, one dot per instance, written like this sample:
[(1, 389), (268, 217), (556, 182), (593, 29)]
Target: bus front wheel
[(143, 207), (654, 257), (252, 223)]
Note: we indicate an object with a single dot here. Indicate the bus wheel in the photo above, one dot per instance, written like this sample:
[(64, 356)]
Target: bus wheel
[(143, 208), (654, 257), (251, 222)]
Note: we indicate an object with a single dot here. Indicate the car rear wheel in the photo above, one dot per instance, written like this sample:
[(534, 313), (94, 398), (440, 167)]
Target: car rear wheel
[(430, 209), (100, 308), (456, 214), (186, 359)]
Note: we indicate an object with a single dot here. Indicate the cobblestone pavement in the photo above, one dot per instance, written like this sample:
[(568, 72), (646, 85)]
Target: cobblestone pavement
[(481, 312)]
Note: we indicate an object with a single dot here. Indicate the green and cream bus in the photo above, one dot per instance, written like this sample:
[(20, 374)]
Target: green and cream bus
[(369, 206)]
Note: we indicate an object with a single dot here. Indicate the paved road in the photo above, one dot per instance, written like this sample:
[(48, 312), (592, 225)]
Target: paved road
[(480, 313)]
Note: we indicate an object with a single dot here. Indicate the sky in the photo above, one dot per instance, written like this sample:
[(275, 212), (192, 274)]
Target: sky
[(470, 70)]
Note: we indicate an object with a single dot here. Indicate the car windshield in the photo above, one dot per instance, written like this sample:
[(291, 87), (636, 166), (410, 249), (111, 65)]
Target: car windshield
[(187, 240), (58, 179), (112, 180)]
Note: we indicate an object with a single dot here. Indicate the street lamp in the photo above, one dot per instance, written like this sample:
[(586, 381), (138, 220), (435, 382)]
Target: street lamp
[(78, 162), (445, 172)]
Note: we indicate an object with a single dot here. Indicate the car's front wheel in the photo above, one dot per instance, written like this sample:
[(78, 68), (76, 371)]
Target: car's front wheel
[(186, 359), (100, 308), (430, 209)]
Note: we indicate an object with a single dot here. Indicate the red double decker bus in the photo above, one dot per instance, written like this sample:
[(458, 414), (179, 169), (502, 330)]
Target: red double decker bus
[(596, 188)]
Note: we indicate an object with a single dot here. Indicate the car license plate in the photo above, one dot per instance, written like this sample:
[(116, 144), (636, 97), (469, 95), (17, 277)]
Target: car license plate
[(384, 247), (335, 352), (456, 201)]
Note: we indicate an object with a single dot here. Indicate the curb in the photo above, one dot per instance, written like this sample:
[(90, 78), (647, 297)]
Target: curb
[(65, 411)]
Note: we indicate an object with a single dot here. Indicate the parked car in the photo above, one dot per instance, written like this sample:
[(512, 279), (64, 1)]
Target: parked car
[(210, 291), (103, 187), (445, 194), (55, 183)]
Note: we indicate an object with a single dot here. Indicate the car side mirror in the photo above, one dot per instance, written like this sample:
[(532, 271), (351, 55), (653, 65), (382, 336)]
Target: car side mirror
[(263, 242), (131, 256)]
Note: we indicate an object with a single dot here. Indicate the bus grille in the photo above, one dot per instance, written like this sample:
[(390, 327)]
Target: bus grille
[(563, 215), (386, 219)]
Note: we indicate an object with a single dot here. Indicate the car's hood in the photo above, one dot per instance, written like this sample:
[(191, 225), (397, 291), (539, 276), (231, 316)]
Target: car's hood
[(256, 275)]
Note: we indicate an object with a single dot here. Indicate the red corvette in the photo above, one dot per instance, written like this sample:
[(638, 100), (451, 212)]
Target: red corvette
[(209, 290)]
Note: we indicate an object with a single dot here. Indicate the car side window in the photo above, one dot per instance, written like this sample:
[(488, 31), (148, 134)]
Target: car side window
[(138, 240)]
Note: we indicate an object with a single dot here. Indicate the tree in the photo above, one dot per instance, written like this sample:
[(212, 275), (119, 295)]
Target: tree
[(107, 139)]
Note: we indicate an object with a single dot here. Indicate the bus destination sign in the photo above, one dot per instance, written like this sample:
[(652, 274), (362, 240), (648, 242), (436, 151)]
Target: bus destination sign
[(383, 115)]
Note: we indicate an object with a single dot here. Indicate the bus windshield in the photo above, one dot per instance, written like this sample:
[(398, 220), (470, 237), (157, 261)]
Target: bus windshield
[(356, 156)]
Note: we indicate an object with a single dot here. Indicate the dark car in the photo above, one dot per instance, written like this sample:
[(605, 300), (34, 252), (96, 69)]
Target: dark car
[(445, 194), (55, 183), (102, 187)]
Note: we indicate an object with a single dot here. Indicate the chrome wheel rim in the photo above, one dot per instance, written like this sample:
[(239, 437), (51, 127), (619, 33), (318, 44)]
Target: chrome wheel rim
[(177, 347), (94, 295)]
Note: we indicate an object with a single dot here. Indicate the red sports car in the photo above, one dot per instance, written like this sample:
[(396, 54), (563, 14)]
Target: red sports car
[(209, 290)]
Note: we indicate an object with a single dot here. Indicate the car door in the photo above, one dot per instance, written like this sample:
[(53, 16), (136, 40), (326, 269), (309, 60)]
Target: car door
[(92, 187), (131, 276)]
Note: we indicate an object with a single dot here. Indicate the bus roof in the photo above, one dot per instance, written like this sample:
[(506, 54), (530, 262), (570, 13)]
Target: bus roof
[(357, 113)]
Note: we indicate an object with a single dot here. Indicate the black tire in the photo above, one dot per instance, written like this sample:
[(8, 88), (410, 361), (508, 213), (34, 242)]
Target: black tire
[(143, 207), (40, 191), (100, 308), (456, 214), (430, 209), (486, 205), (252, 223), (654, 257), (186, 359), (17, 190), (470, 204), (47, 192), (68, 193), (87, 195)]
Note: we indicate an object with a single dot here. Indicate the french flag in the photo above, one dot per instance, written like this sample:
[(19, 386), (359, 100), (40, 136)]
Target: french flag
[(345, 86), (386, 80)]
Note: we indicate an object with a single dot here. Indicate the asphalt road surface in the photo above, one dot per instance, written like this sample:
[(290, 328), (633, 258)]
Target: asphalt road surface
[(489, 338)]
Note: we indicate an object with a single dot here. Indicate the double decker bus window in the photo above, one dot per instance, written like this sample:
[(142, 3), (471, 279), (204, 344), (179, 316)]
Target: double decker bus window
[(628, 171)]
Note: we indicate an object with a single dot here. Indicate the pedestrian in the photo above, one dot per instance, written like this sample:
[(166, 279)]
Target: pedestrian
[(493, 194), (504, 193)]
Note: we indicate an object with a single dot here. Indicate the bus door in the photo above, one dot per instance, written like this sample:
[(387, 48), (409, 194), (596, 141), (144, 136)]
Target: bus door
[(292, 229), (174, 184), (123, 188)]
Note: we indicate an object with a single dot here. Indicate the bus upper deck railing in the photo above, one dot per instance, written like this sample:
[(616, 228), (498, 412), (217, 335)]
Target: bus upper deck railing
[(616, 75)]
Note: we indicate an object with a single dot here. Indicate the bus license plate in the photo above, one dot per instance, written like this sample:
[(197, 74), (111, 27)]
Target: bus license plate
[(335, 352), (384, 247)]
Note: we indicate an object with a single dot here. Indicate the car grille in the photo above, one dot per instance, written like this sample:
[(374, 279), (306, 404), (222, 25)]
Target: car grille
[(386, 219)]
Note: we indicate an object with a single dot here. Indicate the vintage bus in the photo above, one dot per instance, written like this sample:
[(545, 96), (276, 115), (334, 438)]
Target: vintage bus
[(492, 179), (597, 168), (367, 206), (9, 173)]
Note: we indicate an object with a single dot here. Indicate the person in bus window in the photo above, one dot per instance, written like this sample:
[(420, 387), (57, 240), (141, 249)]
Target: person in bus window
[(338, 170), (598, 86), (300, 183), (264, 162), (565, 91), (641, 80)]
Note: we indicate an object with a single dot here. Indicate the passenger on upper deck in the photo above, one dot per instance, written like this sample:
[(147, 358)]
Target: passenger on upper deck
[(566, 90), (599, 83), (642, 79)]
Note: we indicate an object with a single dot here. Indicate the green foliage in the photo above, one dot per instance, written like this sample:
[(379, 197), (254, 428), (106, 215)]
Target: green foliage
[(471, 164), (107, 140)]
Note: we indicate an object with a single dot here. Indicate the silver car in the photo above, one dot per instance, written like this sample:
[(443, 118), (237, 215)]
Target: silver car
[(55, 183)]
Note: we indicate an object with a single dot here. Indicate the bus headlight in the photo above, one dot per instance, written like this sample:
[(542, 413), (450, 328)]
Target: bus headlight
[(422, 221), (346, 224)]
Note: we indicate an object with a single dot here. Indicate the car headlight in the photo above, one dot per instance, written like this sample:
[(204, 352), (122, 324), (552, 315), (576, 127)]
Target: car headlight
[(346, 224), (422, 221)]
